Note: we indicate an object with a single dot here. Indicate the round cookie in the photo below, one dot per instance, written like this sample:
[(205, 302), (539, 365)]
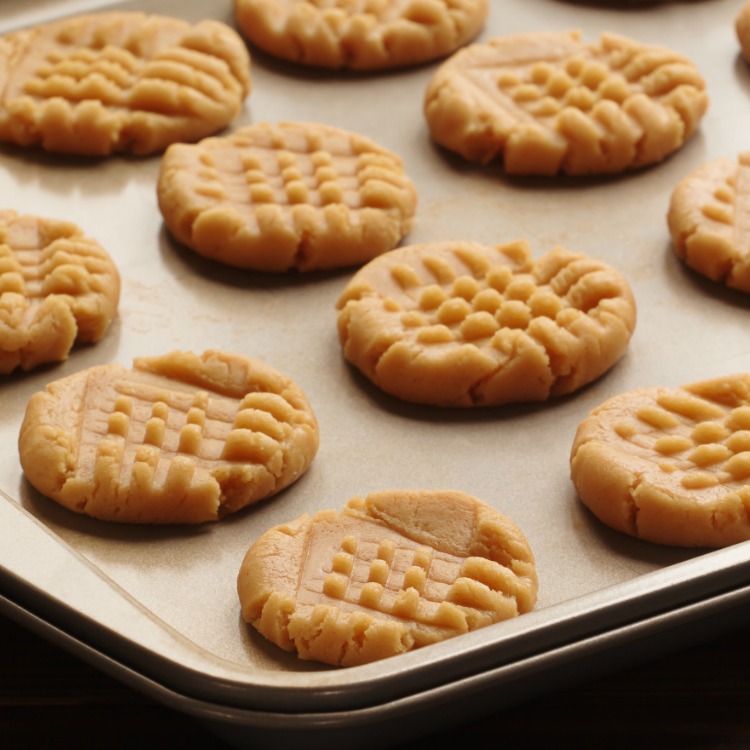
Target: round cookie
[(374, 35), (707, 222), (461, 324), (292, 196), (546, 103), (670, 465), (110, 82), (391, 572), (58, 288), (178, 439)]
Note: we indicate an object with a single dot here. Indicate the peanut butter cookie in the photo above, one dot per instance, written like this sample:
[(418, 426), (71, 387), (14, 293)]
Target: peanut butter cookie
[(58, 287), (391, 572), (292, 196), (546, 103), (361, 35), (670, 465), (178, 439), (119, 82), (461, 324), (708, 221)]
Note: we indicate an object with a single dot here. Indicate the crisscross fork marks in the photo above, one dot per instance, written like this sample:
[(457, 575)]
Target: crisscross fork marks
[(113, 81), (254, 174), (709, 220), (547, 103), (467, 307), (705, 442), (113, 76), (63, 266), (289, 196), (106, 75), (379, 571), (457, 323), (144, 422), (108, 63), (544, 89), (288, 178), (610, 73), (57, 287)]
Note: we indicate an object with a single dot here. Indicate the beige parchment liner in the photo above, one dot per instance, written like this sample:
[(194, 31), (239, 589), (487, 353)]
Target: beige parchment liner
[(514, 458)]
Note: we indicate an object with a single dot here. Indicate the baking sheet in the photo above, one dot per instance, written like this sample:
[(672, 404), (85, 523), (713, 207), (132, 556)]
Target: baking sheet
[(171, 591)]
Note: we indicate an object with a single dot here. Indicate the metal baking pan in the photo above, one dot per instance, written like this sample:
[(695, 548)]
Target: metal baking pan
[(157, 607)]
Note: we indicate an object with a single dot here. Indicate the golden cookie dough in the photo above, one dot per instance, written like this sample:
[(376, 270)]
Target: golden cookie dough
[(292, 196), (708, 220), (461, 324), (178, 439), (391, 572), (546, 103), (670, 465), (742, 29), (371, 35), (58, 288), (110, 82)]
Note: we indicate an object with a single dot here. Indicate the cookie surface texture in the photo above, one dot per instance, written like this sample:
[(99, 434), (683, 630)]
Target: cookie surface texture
[(547, 103), (58, 288), (178, 439), (291, 196), (110, 82), (461, 324), (391, 572), (670, 465), (708, 221), (360, 34)]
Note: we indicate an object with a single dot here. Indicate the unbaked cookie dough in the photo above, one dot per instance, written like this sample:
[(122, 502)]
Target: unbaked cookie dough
[(391, 572), (670, 465), (178, 439), (58, 288), (295, 196), (546, 103), (466, 325), (709, 220), (102, 83), (369, 35)]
